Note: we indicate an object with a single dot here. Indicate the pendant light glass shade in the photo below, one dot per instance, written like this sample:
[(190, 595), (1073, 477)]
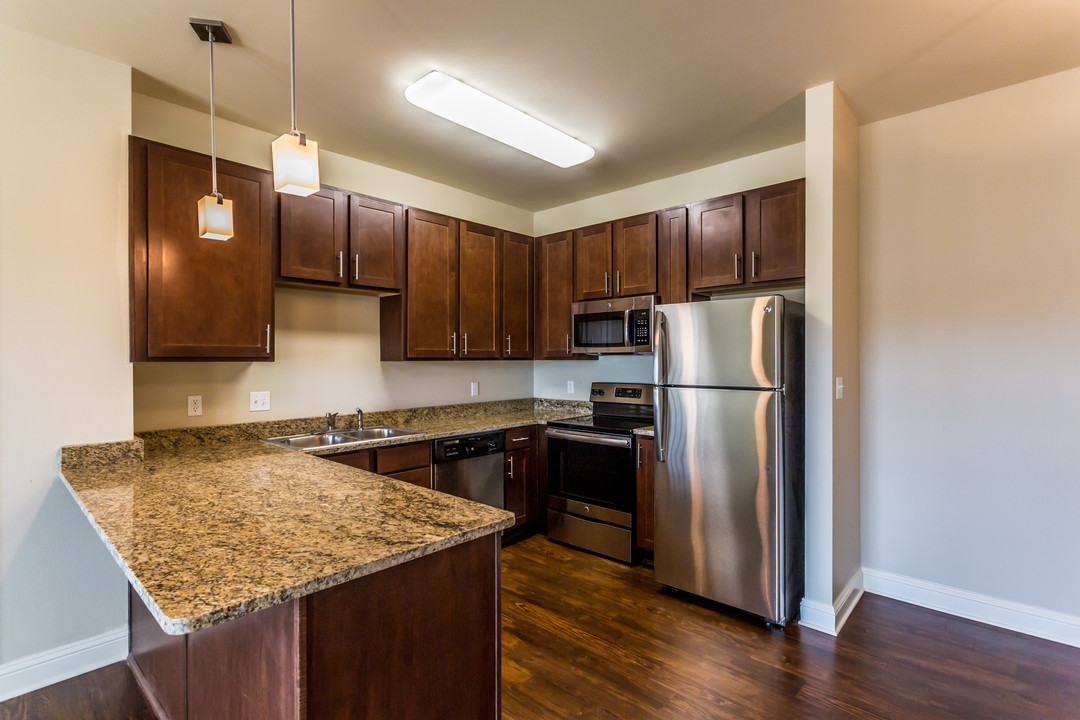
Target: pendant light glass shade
[(296, 165), (295, 158), (215, 218)]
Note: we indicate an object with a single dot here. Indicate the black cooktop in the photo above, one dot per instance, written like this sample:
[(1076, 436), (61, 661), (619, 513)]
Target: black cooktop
[(603, 423)]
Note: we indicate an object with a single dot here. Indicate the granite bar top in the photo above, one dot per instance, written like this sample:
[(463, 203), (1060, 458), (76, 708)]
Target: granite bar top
[(646, 431), (213, 524)]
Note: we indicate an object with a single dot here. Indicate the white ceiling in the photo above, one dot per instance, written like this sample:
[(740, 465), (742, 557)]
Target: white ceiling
[(657, 87)]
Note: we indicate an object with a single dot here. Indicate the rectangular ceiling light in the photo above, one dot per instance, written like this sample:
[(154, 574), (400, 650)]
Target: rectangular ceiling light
[(454, 100)]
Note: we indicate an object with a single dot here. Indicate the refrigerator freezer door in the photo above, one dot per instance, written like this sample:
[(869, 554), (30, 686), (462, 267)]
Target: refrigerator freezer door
[(718, 504), (720, 343)]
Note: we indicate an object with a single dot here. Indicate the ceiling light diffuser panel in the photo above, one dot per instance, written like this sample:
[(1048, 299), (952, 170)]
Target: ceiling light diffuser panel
[(454, 100)]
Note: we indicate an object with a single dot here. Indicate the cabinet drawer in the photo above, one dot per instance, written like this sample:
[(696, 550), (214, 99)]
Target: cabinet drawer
[(402, 457), (359, 459), (518, 438), (420, 476)]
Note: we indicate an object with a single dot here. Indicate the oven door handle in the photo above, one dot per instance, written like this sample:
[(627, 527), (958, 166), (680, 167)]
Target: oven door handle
[(591, 438)]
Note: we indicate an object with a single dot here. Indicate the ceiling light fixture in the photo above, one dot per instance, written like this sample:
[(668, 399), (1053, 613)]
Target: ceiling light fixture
[(296, 159), (454, 100), (215, 212)]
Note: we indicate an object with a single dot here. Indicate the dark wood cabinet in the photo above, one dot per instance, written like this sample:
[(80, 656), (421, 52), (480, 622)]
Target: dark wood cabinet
[(643, 530), (431, 286), (671, 256), (517, 296), (314, 237), (554, 294), (715, 244), (193, 298), (521, 486), (376, 244), (410, 462), (480, 317), (776, 232), (633, 245), (592, 262)]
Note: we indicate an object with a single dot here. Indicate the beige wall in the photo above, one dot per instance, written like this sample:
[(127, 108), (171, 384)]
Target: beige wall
[(832, 437), (327, 344), (64, 375), (971, 340)]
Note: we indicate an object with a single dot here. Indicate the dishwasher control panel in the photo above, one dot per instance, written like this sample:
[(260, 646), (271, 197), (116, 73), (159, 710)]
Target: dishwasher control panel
[(469, 446)]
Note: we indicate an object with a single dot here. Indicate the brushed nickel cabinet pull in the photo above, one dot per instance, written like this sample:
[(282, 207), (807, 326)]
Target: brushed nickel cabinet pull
[(606, 283), (567, 344), (736, 266), (267, 339), (753, 264), (507, 344), (511, 459), (618, 281), (453, 338), (356, 263), (341, 263), (465, 344)]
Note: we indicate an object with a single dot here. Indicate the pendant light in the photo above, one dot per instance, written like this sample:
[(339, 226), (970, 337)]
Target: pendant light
[(215, 212), (296, 159)]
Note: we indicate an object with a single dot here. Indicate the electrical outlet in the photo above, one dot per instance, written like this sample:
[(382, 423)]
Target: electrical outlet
[(570, 386), (839, 388), (194, 405), (474, 388), (259, 401)]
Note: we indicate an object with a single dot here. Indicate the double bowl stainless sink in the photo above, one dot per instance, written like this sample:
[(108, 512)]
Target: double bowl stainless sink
[(333, 438)]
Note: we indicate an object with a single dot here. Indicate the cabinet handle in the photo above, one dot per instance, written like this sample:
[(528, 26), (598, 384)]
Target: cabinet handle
[(736, 266), (618, 281), (267, 339), (519, 439), (356, 264), (639, 455), (453, 350), (511, 459), (507, 344), (567, 344), (341, 263), (465, 344), (753, 265), (606, 283)]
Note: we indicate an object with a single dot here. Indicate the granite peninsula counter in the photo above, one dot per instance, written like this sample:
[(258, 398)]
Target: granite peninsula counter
[(275, 584)]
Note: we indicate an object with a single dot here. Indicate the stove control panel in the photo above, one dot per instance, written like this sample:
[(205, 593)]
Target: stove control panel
[(630, 393)]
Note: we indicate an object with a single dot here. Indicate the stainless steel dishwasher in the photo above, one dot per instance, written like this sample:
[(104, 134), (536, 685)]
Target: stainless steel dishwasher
[(471, 467)]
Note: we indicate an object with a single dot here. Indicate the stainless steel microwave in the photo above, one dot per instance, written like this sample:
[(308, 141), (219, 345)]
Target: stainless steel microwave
[(620, 325)]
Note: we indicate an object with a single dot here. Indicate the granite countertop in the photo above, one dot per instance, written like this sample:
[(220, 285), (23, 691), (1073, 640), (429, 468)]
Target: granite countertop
[(213, 524), (646, 431)]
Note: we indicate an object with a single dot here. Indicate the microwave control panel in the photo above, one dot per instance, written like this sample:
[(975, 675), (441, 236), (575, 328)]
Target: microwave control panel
[(641, 327)]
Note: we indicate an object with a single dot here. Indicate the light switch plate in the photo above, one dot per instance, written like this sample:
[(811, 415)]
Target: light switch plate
[(839, 388), (474, 388), (260, 401), (570, 386)]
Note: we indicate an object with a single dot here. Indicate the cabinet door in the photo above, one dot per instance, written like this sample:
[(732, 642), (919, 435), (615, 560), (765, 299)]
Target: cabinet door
[(592, 262), (207, 298), (633, 244), (716, 243), (432, 285), (362, 459), (554, 293), (671, 256), (517, 296), (313, 233), (480, 262), (643, 531), (776, 231), (376, 243), (519, 479)]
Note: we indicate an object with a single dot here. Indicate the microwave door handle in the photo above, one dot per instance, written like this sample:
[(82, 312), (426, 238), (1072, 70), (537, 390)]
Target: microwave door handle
[(626, 328)]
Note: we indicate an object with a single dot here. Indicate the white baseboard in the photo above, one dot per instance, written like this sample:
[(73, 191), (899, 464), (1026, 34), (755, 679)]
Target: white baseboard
[(45, 668), (1027, 619), (831, 618)]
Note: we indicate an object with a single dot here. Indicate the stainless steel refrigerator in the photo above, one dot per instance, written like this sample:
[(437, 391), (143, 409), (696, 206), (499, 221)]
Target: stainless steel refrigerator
[(729, 452)]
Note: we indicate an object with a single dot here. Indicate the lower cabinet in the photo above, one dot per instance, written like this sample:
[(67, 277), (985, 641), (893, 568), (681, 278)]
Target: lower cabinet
[(410, 462), (521, 488), (643, 530)]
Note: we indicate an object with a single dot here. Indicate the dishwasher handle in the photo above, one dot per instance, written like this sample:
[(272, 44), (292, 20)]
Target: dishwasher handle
[(591, 438)]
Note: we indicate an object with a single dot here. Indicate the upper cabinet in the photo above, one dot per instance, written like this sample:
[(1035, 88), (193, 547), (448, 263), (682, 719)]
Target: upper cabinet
[(671, 256), (479, 319), (193, 298), (715, 245), (633, 242), (757, 237), (517, 296), (432, 286), (776, 231), (334, 239), (554, 294), (592, 262)]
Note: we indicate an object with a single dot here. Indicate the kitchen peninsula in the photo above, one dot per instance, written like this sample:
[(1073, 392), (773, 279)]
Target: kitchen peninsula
[(269, 583)]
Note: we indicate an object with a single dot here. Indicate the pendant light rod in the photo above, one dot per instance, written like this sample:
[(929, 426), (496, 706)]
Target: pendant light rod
[(213, 141), (292, 63)]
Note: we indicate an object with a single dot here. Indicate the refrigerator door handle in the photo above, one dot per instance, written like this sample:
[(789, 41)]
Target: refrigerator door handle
[(660, 402), (660, 351)]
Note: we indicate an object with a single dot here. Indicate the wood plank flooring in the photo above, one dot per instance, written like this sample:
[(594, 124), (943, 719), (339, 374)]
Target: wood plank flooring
[(584, 637)]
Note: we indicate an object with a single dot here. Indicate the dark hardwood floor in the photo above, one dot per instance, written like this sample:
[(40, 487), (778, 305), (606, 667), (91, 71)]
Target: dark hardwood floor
[(585, 637)]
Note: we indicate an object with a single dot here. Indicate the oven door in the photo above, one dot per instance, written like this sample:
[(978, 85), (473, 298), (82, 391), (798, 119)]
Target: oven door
[(593, 468)]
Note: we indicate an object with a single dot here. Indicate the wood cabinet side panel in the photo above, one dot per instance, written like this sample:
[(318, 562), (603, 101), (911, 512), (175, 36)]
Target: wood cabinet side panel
[(413, 642), (161, 660), (137, 248)]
